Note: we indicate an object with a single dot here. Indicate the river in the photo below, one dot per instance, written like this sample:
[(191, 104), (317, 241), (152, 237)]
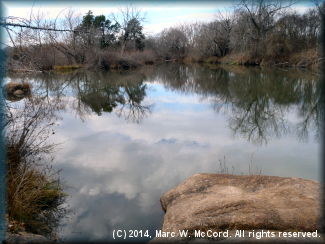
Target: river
[(130, 136)]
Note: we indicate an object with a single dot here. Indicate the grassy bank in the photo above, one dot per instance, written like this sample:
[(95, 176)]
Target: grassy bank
[(35, 192), (106, 60), (303, 59), (103, 59), (67, 67)]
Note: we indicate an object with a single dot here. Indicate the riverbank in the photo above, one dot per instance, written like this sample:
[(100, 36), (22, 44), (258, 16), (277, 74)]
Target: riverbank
[(108, 61), (307, 59), (34, 189)]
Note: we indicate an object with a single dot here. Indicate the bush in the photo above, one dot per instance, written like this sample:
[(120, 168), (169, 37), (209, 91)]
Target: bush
[(213, 59), (34, 189), (145, 57), (34, 196), (109, 60)]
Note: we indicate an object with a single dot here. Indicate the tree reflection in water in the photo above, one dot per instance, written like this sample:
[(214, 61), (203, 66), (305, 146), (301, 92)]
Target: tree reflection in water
[(256, 101), (125, 94), (100, 92), (133, 108)]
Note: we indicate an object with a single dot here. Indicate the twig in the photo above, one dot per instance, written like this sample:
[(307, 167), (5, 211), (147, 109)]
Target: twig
[(22, 52)]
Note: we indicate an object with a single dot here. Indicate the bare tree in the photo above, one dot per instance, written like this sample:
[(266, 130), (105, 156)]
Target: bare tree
[(227, 21), (37, 42), (130, 19), (259, 18)]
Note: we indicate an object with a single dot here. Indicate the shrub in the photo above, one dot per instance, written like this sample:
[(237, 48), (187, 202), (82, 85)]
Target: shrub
[(34, 196), (34, 189), (213, 59), (67, 67), (109, 60), (235, 63), (144, 57)]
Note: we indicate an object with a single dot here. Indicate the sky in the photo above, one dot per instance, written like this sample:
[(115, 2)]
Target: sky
[(161, 14), (117, 170)]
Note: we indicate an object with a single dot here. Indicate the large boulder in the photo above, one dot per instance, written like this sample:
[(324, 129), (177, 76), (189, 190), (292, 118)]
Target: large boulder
[(237, 202), (24, 237)]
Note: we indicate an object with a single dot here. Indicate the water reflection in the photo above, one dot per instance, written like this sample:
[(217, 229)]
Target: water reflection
[(118, 170), (35, 191), (256, 101), (89, 92)]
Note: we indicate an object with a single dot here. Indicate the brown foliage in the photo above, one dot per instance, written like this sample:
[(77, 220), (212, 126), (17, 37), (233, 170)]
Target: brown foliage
[(34, 189)]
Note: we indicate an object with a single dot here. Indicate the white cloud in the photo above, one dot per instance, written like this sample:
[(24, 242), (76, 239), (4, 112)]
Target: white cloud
[(152, 29), (197, 16)]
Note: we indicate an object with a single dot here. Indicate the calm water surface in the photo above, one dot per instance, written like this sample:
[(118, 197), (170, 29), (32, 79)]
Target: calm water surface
[(131, 136)]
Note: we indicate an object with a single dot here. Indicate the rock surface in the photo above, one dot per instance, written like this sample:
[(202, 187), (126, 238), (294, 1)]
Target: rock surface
[(18, 92), (14, 91), (246, 239), (237, 202), (13, 87), (24, 237)]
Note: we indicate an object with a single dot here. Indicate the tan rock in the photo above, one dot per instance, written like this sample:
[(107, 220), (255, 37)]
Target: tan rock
[(238, 202), (278, 238), (18, 93), (12, 86), (15, 91), (24, 237)]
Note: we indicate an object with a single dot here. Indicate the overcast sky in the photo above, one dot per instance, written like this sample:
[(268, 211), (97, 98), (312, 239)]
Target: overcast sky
[(161, 14)]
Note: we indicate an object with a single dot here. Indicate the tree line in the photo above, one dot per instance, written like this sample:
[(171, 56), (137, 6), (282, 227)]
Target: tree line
[(256, 29), (251, 32)]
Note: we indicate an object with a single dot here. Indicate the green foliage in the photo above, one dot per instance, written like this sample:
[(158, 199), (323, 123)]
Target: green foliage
[(102, 31), (101, 22), (88, 19), (234, 63), (213, 59), (133, 32), (108, 31)]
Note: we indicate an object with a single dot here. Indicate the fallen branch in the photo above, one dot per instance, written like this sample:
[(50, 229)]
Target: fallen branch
[(319, 59), (5, 24), (21, 53), (280, 63)]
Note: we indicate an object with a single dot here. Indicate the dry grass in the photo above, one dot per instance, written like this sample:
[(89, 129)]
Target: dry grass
[(189, 60), (111, 60), (108, 60), (212, 60), (12, 86), (34, 194), (147, 57), (303, 59), (224, 168), (68, 67), (251, 170), (34, 189)]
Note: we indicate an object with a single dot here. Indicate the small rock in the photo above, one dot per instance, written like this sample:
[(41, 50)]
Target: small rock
[(18, 93), (12, 86)]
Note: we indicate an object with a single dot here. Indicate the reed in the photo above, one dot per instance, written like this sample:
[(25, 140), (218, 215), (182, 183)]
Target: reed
[(224, 169), (35, 192)]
